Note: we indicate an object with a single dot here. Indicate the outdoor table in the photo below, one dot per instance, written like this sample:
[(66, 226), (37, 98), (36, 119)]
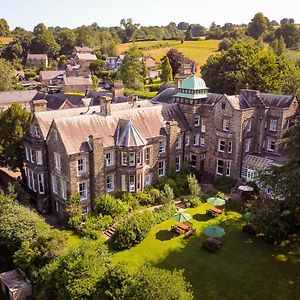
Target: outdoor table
[(183, 226)]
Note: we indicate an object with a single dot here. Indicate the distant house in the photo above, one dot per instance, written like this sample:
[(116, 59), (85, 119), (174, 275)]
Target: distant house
[(85, 57), (15, 285), (20, 75), (83, 49), (53, 77), (149, 62), (36, 60), (77, 84), (114, 62), (24, 98)]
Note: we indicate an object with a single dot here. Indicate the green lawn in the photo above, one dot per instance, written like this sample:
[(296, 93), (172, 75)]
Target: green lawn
[(245, 268), (196, 50)]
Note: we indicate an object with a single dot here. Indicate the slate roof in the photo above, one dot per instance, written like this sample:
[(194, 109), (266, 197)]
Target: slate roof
[(86, 56), (147, 121), (83, 49), (19, 96), (76, 80), (47, 75)]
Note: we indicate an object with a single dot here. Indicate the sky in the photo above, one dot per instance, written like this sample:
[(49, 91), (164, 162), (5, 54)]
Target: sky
[(74, 13)]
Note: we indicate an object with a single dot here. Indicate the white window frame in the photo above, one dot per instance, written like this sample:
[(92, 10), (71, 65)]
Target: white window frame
[(124, 158), (64, 190), (197, 121), (162, 146), (28, 178), (33, 179), (230, 146), (109, 158), (221, 146), (161, 168), (36, 131), (131, 159), (57, 161), (193, 161), (249, 126), (225, 124), (83, 190), (228, 168), (196, 139), (31, 155), (131, 183), (85, 210), (202, 141), (187, 140), (139, 157), (81, 165), (178, 142), (177, 163), (41, 183), (273, 125), (203, 127), (39, 157), (124, 183), (217, 169), (148, 179), (27, 153), (139, 182), (147, 154), (110, 183), (270, 141), (247, 145), (54, 183)]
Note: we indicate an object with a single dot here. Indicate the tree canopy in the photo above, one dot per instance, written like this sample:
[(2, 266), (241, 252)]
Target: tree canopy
[(245, 63), (6, 75), (258, 26), (166, 70)]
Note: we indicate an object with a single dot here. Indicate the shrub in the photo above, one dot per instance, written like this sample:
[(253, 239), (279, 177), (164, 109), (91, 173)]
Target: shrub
[(92, 226), (194, 186), (108, 205), (143, 198), (167, 195), (192, 201), (133, 230), (224, 184), (164, 213)]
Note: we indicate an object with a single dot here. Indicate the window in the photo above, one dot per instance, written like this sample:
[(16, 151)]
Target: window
[(221, 146), (202, 141), (110, 185), (162, 146), (178, 142), (196, 139), (273, 125), (225, 125), (203, 127), (220, 167), (271, 145), (249, 126), (27, 154), (187, 140), (223, 105), (229, 146), (28, 178), (147, 154), (197, 121), (41, 183), (247, 145), (124, 183), (55, 134), (161, 168), (39, 158), (266, 124), (193, 161), (250, 174), (85, 210), (124, 158), (228, 167), (31, 155), (57, 161), (177, 163), (131, 159), (36, 131), (131, 183), (64, 189), (33, 177), (138, 182), (54, 184), (109, 159), (139, 158), (148, 179), (81, 165), (82, 189)]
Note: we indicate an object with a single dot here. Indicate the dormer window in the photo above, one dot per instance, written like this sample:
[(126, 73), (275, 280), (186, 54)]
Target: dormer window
[(223, 105), (273, 125), (162, 146), (225, 125), (178, 143), (36, 131)]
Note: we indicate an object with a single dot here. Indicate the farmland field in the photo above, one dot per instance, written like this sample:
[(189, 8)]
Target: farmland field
[(196, 50), (5, 40)]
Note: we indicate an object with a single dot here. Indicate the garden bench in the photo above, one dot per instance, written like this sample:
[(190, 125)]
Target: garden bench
[(214, 212), (190, 233)]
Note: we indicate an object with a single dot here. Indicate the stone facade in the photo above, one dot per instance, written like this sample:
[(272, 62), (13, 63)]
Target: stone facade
[(127, 146)]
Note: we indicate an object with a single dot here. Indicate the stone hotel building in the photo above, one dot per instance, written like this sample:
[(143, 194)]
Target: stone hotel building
[(127, 146)]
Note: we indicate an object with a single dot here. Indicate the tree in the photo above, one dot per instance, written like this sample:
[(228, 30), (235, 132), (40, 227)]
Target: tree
[(6, 75), (278, 46), (198, 30), (129, 29), (66, 38), (258, 26), (291, 35), (194, 186), (132, 68), (245, 63), (188, 34), (183, 26), (176, 59), (97, 67), (166, 70), (95, 80), (4, 28), (286, 21), (14, 122)]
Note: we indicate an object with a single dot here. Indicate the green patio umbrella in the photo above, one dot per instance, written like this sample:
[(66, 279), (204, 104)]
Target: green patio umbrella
[(216, 201), (247, 216), (181, 217), (214, 231)]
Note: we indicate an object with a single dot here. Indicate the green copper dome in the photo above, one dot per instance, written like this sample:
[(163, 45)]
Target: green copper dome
[(193, 83)]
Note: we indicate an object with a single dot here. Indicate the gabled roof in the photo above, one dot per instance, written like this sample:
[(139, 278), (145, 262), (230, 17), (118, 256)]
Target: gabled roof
[(86, 56), (83, 49), (47, 75), (19, 96), (128, 136), (76, 80)]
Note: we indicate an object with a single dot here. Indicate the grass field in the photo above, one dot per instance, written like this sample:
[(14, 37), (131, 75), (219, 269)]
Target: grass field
[(196, 50), (244, 268), (5, 40)]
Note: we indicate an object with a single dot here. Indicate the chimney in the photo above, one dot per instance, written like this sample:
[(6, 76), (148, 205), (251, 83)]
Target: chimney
[(38, 105), (105, 105), (118, 89)]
